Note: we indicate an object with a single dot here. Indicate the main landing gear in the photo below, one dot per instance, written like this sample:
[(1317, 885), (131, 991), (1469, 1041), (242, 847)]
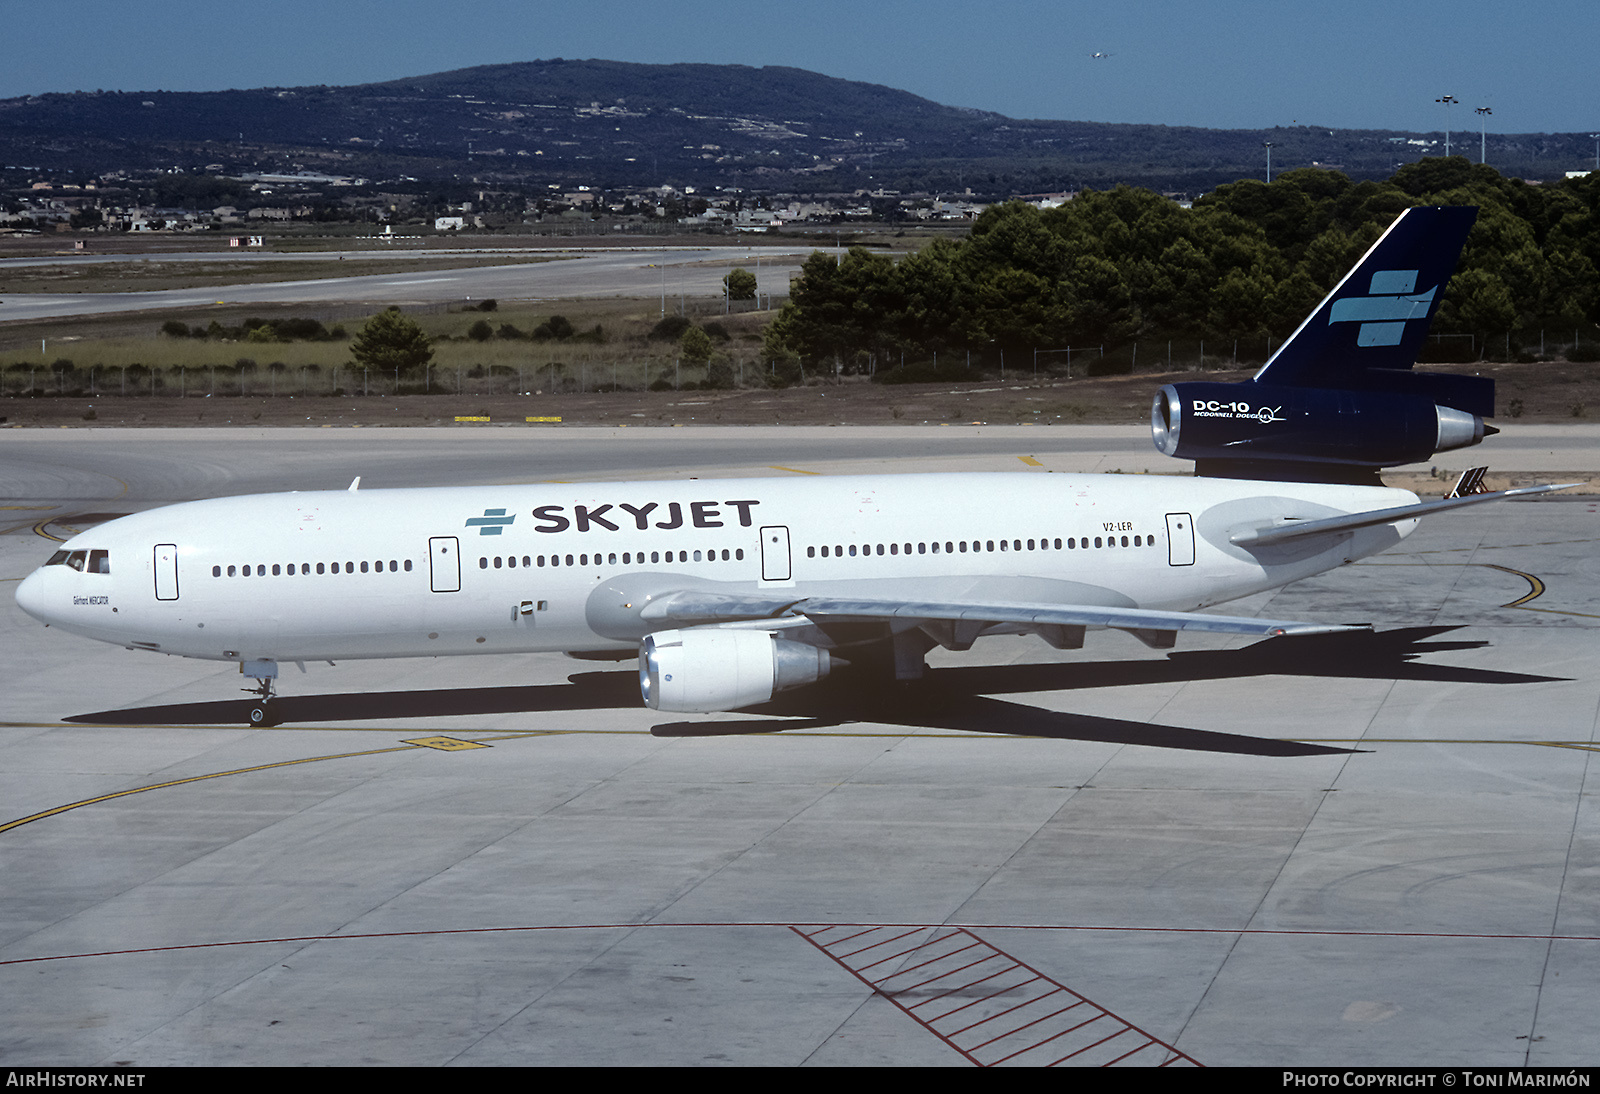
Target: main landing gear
[(263, 673)]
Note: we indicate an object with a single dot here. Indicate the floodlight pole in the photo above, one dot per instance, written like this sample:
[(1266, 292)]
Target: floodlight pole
[(1448, 101), (1483, 113)]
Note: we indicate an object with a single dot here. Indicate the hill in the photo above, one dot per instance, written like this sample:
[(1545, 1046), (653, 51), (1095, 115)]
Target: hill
[(613, 124)]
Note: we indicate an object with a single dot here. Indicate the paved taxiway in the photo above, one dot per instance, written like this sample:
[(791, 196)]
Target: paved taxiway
[(630, 272), (1132, 852)]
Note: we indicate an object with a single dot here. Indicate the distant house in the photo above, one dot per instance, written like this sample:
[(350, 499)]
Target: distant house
[(450, 224)]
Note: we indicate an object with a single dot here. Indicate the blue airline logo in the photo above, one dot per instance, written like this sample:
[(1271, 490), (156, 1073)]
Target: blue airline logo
[(1384, 313), (491, 523)]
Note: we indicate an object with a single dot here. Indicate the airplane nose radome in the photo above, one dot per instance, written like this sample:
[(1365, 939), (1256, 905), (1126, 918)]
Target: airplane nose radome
[(30, 596)]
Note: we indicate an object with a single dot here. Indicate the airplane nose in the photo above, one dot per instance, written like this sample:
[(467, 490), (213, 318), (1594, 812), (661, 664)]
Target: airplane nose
[(30, 596)]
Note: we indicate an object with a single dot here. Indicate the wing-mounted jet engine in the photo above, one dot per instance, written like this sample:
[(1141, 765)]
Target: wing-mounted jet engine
[(1339, 400)]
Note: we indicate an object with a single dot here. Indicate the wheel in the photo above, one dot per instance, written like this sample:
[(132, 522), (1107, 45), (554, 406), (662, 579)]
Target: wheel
[(261, 714)]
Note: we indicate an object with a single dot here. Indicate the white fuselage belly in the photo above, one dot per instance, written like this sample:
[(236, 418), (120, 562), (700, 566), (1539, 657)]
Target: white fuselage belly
[(510, 568)]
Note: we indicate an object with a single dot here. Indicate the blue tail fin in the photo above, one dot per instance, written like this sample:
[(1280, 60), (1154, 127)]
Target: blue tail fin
[(1339, 400), (1377, 318)]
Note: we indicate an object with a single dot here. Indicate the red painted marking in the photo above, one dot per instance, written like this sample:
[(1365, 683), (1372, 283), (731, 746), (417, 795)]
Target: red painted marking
[(1013, 1027)]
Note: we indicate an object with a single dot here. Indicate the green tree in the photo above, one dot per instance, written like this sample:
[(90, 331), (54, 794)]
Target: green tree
[(740, 284), (695, 345), (391, 340)]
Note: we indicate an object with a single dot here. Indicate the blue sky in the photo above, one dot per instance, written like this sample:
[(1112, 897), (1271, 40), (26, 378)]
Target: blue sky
[(1225, 64)]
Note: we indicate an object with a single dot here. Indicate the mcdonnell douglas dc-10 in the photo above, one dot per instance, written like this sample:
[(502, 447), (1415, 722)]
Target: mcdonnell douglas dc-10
[(734, 590)]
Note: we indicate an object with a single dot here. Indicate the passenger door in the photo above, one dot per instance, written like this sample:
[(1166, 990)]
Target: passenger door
[(775, 553), (444, 564), (1180, 539), (166, 563)]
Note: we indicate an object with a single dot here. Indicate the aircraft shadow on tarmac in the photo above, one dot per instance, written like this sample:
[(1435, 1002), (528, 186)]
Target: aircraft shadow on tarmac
[(951, 698)]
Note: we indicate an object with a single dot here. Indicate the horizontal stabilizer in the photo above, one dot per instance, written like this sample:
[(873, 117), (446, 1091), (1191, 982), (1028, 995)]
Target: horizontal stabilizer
[(1300, 529)]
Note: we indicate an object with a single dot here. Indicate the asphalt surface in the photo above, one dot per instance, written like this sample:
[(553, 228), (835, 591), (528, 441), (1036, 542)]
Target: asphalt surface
[(1356, 853), (612, 272)]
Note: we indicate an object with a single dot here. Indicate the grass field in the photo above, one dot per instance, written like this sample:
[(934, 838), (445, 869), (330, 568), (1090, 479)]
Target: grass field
[(611, 349)]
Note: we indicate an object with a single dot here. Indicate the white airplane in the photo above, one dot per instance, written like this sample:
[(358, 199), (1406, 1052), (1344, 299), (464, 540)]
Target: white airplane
[(733, 590)]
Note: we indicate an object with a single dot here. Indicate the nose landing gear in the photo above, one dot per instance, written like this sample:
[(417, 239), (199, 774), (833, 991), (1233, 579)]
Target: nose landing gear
[(263, 673)]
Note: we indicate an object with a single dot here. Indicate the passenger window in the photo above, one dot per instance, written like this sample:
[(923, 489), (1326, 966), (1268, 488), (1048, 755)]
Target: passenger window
[(216, 571), (276, 569)]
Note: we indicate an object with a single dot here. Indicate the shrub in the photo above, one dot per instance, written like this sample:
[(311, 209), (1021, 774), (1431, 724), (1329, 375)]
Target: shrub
[(670, 329), (557, 327), (391, 340)]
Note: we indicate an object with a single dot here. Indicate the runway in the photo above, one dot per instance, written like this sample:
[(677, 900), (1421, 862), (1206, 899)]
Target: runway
[(578, 273), (1379, 851)]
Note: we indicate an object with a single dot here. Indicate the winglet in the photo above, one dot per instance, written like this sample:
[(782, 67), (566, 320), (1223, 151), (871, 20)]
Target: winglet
[(355, 484)]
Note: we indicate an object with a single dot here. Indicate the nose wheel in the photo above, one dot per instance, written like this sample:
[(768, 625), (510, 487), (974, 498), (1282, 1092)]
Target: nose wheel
[(262, 710)]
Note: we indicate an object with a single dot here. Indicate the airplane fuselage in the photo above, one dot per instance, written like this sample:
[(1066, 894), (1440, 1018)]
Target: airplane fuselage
[(501, 569)]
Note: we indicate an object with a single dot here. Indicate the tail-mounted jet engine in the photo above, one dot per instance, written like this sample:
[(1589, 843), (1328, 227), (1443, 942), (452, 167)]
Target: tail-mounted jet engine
[(713, 669), (1253, 421)]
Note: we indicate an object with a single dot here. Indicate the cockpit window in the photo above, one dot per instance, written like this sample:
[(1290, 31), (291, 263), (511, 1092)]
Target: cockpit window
[(77, 559), (57, 559), (99, 562)]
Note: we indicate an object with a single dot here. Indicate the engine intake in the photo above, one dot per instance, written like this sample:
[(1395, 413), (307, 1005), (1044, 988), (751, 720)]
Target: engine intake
[(713, 669)]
